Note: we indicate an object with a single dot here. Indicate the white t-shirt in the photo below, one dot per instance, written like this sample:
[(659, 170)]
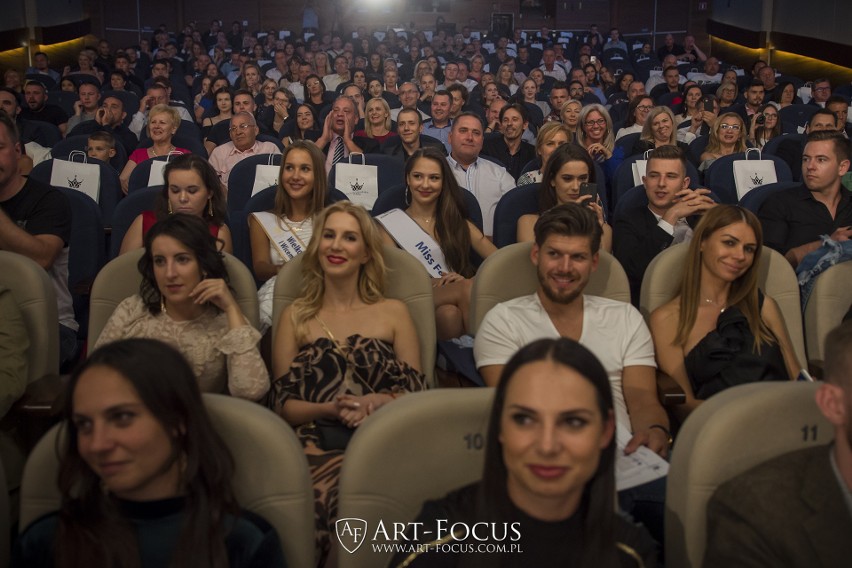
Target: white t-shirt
[(614, 331)]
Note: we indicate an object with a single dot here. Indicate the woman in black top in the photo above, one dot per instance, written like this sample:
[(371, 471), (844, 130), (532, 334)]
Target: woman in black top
[(548, 484), (145, 478)]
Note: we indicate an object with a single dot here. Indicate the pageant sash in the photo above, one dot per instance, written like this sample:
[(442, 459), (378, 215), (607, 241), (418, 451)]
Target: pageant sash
[(285, 241), (414, 240)]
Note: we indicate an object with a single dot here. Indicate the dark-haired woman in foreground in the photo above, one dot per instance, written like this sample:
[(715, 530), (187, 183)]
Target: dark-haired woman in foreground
[(548, 483), (145, 478)]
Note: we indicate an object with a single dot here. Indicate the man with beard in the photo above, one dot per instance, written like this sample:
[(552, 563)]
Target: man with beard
[(565, 253), (794, 510), (37, 107), (509, 149), (109, 118)]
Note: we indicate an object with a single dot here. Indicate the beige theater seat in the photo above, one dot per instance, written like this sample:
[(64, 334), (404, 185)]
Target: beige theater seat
[(421, 447), (407, 281), (509, 273), (38, 409), (729, 434), (829, 302), (271, 477), (775, 277), (34, 294), (120, 279)]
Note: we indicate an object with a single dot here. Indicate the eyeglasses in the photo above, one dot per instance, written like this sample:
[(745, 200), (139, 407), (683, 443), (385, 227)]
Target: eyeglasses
[(734, 127), (598, 122), (822, 88), (644, 107), (243, 126)]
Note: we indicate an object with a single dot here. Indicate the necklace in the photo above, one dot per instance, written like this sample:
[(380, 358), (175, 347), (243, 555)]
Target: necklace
[(154, 152), (301, 225), (715, 303), (425, 220)]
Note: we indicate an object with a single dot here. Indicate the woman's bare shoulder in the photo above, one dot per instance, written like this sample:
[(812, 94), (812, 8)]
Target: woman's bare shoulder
[(666, 314)]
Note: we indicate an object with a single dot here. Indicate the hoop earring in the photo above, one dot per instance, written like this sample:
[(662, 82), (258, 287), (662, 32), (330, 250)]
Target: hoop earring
[(407, 197), (162, 305), (170, 208), (210, 207)]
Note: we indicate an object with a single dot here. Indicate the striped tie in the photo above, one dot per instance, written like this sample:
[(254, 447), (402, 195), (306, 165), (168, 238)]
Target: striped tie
[(338, 152)]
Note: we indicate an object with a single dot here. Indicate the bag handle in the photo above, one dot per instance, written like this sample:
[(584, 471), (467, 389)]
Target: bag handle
[(271, 159), (647, 154), (80, 153), (759, 153), (173, 153), (363, 158)]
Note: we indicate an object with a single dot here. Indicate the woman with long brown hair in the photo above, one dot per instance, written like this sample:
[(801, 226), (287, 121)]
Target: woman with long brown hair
[(720, 330), (144, 476), (436, 212)]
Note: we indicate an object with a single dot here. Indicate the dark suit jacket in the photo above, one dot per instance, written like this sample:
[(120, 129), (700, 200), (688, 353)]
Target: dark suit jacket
[(393, 146), (367, 145), (788, 512), (636, 240)]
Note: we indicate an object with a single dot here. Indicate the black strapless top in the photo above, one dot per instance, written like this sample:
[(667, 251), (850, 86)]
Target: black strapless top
[(725, 357)]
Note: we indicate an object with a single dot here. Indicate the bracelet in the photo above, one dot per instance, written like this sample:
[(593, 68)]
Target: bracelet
[(665, 430)]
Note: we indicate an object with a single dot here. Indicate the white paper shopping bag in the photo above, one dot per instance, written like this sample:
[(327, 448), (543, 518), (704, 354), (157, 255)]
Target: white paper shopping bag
[(749, 174), (155, 177), (265, 175), (81, 176), (359, 182)]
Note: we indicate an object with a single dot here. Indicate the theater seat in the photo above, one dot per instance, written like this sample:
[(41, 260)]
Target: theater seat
[(509, 273), (120, 279), (727, 435), (427, 444), (828, 304), (35, 297), (271, 477), (407, 281), (775, 277)]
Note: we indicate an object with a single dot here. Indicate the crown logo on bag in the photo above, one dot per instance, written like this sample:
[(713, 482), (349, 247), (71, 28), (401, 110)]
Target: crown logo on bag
[(75, 183), (756, 180), (355, 186)]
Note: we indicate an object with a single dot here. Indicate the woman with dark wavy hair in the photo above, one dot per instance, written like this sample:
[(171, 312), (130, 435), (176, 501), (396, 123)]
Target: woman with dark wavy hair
[(184, 299), (548, 482), (436, 217), (144, 476)]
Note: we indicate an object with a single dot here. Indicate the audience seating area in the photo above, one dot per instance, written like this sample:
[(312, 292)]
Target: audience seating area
[(426, 443)]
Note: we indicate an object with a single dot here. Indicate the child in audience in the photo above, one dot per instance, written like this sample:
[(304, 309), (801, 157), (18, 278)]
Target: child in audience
[(101, 146)]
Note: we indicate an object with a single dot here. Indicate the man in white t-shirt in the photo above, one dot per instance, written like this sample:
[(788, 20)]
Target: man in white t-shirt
[(565, 253)]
